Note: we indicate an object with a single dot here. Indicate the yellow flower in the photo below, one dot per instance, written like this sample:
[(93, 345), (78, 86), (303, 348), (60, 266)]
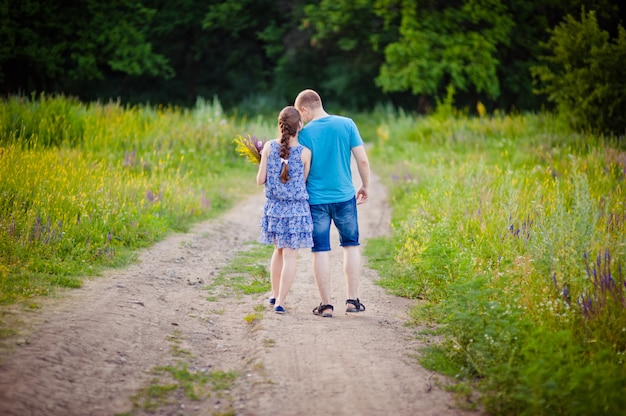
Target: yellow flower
[(482, 111), (249, 147)]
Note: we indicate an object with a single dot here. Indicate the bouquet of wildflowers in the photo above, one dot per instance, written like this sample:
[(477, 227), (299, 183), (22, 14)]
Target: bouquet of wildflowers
[(249, 147)]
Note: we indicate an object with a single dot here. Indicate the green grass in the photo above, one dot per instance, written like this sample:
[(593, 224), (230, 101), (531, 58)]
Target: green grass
[(498, 225), (253, 318), (173, 381), (84, 185), (246, 274), (509, 228)]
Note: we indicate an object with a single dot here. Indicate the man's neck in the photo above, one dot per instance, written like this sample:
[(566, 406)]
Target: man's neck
[(319, 113)]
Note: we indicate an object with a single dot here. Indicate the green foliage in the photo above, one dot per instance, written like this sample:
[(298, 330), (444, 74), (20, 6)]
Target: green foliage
[(254, 31), (47, 120), (485, 332), (84, 186), (246, 274), (331, 20), (585, 75), (398, 280), (346, 40), (553, 380), (356, 53), (497, 223), (61, 43), (603, 303), (451, 45)]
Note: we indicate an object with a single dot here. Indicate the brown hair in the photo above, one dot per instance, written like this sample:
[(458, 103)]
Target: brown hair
[(309, 99), (288, 123)]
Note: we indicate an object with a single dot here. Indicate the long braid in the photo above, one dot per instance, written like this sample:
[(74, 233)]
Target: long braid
[(288, 121)]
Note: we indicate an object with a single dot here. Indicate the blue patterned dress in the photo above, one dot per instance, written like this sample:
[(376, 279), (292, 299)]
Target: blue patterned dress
[(286, 220)]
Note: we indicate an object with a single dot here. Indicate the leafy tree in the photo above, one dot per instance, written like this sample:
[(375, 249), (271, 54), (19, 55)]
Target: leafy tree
[(346, 34), (447, 43), (50, 45), (215, 47), (244, 29), (238, 24), (585, 75), (297, 64), (356, 52), (345, 42), (177, 32), (483, 48), (532, 22)]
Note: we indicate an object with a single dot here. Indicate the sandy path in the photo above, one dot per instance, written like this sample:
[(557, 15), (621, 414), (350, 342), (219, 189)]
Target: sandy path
[(88, 351)]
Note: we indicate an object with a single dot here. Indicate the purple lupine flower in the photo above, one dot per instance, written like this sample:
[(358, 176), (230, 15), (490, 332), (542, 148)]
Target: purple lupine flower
[(566, 296), (607, 291), (130, 158)]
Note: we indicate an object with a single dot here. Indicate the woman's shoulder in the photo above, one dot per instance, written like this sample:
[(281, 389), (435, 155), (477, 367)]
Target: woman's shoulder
[(301, 147), (305, 152), (272, 143)]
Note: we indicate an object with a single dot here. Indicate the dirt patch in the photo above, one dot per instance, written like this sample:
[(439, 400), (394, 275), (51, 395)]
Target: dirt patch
[(89, 350)]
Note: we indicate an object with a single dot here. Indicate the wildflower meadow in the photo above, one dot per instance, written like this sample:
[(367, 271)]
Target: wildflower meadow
[(508, 230), (82, 186), (510, 233)]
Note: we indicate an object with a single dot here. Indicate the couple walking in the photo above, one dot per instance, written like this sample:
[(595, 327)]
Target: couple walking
[(308, 185)]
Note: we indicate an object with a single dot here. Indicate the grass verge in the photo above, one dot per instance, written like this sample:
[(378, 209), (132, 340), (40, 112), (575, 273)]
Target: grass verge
[(512, 229)]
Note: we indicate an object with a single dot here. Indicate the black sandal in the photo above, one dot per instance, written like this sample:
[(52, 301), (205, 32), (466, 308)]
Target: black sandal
[(319, 310), (358, 306)]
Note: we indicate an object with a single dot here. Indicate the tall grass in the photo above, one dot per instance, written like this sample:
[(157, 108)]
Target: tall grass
[(83, 185), (512, 230)]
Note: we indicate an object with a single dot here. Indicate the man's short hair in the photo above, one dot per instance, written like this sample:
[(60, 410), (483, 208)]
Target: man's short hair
[(309, 99)]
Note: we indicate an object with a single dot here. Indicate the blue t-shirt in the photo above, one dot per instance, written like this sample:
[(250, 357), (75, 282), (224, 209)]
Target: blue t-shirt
[(331, 140)]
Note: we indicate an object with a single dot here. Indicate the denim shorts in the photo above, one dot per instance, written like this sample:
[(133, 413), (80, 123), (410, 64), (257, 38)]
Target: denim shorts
[(343, 215)]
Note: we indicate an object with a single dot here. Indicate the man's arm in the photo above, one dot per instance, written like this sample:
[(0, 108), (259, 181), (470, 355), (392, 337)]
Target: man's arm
[(363, 165)]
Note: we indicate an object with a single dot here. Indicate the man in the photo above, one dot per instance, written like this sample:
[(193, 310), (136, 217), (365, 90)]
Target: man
[(333, 140)]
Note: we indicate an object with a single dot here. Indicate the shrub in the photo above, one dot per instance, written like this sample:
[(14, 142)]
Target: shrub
[(585, 75)]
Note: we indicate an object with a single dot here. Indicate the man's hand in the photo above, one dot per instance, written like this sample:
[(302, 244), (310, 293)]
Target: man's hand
[(361, 196)]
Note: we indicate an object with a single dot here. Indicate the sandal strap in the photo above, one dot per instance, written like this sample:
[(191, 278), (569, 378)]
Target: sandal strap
[(356, 303), (320, 309)]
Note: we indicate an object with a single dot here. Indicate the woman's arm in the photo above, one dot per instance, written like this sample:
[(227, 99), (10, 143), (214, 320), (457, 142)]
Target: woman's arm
[(306, 159), (261, 175)]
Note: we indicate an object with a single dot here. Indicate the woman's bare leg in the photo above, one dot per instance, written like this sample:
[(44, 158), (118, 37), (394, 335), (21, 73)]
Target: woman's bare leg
[(287, 275), (276, 266)]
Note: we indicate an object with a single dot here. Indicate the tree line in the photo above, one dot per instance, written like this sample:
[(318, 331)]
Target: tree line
[(356, 52)]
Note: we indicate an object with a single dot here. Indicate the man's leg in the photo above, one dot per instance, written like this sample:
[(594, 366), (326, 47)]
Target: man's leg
[(346, 220), (321, 272), (321, 253), (352, 270)]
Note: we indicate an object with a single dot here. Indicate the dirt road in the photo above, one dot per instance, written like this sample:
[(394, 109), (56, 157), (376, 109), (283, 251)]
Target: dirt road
[(89, 350)]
